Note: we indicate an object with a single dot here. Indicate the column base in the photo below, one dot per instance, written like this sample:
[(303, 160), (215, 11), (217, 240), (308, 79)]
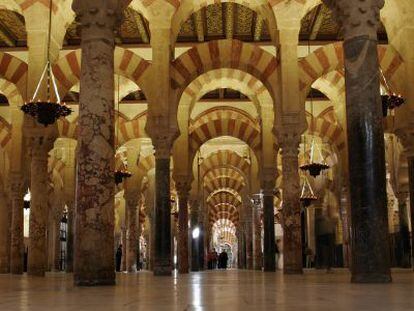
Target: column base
[(162, 271), (371, 278), (103, 279), (35, 272), (291, 271)]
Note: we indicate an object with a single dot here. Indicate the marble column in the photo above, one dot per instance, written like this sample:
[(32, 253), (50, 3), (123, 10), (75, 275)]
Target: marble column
[(249, 245), (411, 187), (162, 213), (39, 208), (292, 238), (123, 243), (370, 240), (257, 240), (95, 185), (132, 223), (4, 234), (195, 262), (183, 189), (16, 243), (269, 241), (404, 230), (69, 237)]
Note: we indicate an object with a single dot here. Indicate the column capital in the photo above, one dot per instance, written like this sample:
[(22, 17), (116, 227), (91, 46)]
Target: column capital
[(99, 17), (132, 198), (357, 17), (39, 146), (183, 185), (289, 142), (268, 180)]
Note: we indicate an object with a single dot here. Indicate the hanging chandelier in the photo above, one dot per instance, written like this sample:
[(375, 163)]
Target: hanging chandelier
[(49, 111), (123, 173), (389, 99), (307, 196), (313, 167)]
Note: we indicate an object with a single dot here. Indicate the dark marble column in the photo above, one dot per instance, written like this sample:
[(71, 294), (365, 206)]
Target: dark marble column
[(366, 157), (257, 240), (269, 241), (95, 185), (39, 214), (162, 247), (16, 243), (183, 189), (195, 244), (4, 234), (292, 238), (411, 187), (404, 233)]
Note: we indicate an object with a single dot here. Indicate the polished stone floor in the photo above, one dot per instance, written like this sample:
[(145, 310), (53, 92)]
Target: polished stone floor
[(224, 291)]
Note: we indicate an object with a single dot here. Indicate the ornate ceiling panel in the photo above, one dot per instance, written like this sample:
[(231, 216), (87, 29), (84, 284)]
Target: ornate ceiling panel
[(12, 29)]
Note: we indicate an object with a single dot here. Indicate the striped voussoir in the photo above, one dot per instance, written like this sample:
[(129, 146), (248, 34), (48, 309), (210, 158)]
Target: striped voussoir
[(228, 53), (5, 133), (331, 57), (132, 129), (11, 92), (14, 70), (224, 182), (127, 64), (330, 132), (219, 122), (224, 158)]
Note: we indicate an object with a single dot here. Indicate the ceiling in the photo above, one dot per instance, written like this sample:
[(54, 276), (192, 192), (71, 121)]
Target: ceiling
[(216, 21)]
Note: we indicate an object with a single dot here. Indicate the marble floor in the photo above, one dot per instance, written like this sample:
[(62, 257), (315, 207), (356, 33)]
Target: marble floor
[(224, 290)]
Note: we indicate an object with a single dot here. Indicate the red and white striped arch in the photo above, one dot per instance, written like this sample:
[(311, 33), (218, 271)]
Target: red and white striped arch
[(5, 133), (223, 121), (224, 157), (330, 57), (329, 132), (14, 70), (224, 54), (224, 172), (127, 64), (223, 211), (223, 183)]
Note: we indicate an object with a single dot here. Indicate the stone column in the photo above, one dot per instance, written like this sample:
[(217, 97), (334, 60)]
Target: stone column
[(162, 212), (292, 238), (69, 237), (4, 234), (123, 242), (39, 208), (16, 243), (95, 185), (183, 188), (257, 240), (411, 187), (269, 242), (370, 255), (195, 262), (404, 230), (132, 223)]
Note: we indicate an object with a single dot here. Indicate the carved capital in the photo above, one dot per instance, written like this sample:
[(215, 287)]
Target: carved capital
[(183, 186), (357, 17), (268, 180), (289, 142), (39, 146), (98, 18)]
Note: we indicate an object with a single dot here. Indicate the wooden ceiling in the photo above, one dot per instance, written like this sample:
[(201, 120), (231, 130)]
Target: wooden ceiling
[(216, 21)]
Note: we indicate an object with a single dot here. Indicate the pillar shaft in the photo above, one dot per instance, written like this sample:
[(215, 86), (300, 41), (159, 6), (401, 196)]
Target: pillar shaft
[(269, 259), (132, 232), (411, 187), (4, 235), (70, 236), (183, 264), (366, 157), (16, 244), (162, 247), (292, 239), (94, 230), (38, 250), (257, 240)]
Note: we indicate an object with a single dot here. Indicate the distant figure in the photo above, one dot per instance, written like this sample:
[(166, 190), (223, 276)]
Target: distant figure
[(118, 258), (223, 258), (214, 258)]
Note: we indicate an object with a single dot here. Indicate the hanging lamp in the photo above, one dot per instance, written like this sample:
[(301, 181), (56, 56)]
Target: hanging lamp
[(49, 111), (123, 173), (313, 167), (389, 99), (307, 196)]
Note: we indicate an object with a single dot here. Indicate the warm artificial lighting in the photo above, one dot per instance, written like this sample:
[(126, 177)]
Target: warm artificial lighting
[(196, 233)]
